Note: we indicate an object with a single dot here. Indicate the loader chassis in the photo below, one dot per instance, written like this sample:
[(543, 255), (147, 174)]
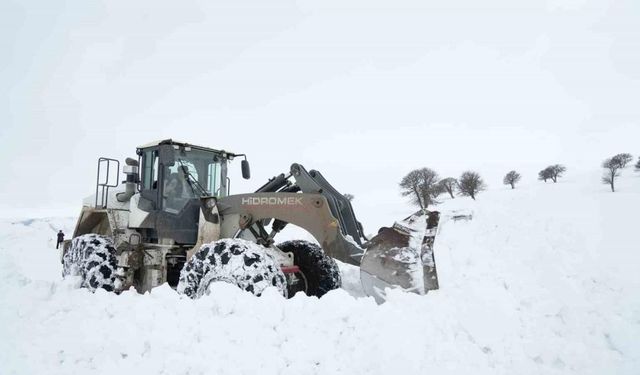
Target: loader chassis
[(181, 200), (146, 265)]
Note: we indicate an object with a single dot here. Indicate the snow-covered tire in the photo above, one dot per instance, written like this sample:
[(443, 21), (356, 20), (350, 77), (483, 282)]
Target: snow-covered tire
[(93, 258), (320, 271), (236, 261)]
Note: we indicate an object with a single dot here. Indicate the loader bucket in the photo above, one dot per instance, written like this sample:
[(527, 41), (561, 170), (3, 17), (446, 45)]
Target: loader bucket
[(401, 257)]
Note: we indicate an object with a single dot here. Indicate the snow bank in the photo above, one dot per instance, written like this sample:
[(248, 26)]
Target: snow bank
[(543, 280)]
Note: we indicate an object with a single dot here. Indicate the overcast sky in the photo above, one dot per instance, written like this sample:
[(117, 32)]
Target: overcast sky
[(363, 91)]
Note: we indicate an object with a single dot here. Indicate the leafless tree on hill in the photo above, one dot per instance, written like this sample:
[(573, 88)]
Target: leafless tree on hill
[(470, 184), (612, 167), (552, 172), (421, 186), (622, 159), (512, 178), (449, 185), (544, 175)]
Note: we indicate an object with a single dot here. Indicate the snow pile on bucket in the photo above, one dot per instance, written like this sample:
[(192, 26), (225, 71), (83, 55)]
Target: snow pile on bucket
[(543, 280)]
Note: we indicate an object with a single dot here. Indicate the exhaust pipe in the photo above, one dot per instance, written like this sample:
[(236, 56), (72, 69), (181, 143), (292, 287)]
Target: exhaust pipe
[(131, 171)]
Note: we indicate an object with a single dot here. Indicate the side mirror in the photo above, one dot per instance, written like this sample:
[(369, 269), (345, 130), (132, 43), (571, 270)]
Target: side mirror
[(131, 162), (246, 171)]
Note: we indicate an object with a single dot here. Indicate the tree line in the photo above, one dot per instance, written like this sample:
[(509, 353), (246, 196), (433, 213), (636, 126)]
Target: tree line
[(423, 186)]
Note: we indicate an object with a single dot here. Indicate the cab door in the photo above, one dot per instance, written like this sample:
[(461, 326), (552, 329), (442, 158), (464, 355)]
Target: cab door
[(150, 182)]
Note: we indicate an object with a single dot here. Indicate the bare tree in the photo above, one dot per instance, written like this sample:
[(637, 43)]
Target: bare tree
[(622, 159), (554, 172), (421, 186), (449, 185), (638, 165), (544, 174), (349, 196), (470, 183), (512, 178), (612, 167)]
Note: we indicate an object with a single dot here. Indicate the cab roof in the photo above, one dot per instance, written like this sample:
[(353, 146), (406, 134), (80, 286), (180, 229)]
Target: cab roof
[(183, 144)]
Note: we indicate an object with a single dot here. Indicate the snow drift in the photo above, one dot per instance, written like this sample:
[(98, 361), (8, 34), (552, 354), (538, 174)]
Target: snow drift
[(543, 280)]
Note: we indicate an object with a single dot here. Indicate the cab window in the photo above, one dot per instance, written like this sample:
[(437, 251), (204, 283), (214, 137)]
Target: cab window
[(150, 169), (213, 183), (195, 173)]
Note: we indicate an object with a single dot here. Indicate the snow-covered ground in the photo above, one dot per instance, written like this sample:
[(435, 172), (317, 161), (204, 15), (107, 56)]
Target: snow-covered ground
[(544, 280)]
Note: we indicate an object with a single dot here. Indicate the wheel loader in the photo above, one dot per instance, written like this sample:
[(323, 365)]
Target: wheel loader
[(176, 222)]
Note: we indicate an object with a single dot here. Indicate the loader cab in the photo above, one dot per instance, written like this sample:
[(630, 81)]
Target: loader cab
[(174, 176)]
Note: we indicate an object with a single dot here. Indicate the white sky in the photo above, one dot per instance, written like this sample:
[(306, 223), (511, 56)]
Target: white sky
[(363, 91)]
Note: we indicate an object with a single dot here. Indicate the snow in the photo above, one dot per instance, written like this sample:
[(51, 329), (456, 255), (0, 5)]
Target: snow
[(542, 280)]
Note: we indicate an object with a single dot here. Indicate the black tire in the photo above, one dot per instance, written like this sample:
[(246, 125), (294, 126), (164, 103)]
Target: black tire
[(236, 261), (320, 271), (93, 258)]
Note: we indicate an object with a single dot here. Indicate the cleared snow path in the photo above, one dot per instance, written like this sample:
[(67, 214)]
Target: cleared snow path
[(543, 280)]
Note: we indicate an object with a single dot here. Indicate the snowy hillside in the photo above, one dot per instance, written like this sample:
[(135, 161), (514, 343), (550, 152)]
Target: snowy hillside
[(543, 280)]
